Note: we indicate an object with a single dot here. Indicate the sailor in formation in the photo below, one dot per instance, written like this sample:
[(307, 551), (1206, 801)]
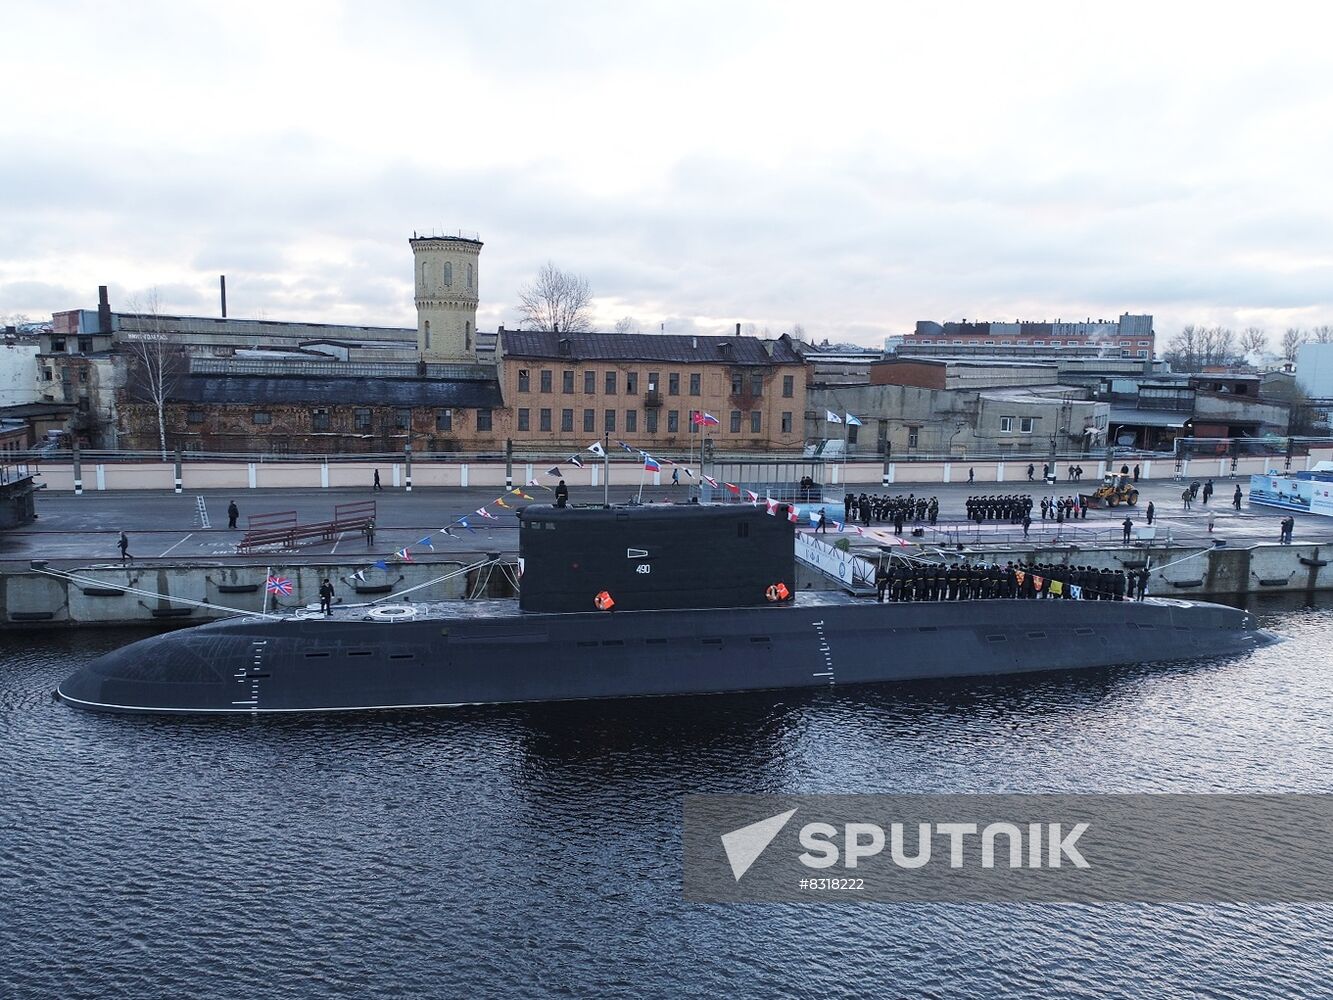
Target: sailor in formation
[(910, 580)]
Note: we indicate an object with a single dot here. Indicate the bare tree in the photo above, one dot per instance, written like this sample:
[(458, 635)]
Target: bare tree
[(1322, 335), (798, 332), (1253, 340), (155, 363), (556, 300), (1224, 346), (628, 324), (1291, 342), (1182, 350)]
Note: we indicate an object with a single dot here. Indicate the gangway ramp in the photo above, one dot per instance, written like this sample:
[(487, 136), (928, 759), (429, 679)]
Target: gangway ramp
[(851, 572)]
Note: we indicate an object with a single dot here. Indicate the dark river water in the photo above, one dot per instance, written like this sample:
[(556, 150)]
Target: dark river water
[(535, 851)]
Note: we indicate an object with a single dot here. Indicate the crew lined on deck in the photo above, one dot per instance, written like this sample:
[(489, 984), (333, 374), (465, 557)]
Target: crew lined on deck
[(906, 580)]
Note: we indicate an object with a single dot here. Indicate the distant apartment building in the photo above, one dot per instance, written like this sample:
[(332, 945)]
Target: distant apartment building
[(1131, 336)]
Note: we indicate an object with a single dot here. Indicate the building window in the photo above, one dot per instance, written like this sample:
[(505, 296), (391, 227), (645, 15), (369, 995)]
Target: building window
[(737, 382), (610, 383), (650, 421), (673, 421), (47, 375), (467, 335), (673, 384), (524, 380), (361, 418), (631, 421), (444, 420), (609, 421), (426, 333), (57, 345), (524, 419), (448, 274), (589, 421), (567, 383), (469, 276), (631, 383), (1141, 354), (589, 383), (696, 383), (654, 382), (1006, 424), (85, 345), (788, 386), (484, 420), (1025, 425), (319, 419), (544, 420), (912, 436), (756, 386), (567, 421), (1039, 343), (851, 434), (756, 421), (194, 417), (402, 419), (83, 375), (261, 417), (735, 421), (786, 421), (546, 380)]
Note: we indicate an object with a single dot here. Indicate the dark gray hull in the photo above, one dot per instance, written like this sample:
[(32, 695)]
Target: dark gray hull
[(491, 653)]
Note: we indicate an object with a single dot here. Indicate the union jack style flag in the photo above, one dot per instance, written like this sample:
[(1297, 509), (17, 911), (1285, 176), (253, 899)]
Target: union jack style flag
[(404, 555), (279, 585)]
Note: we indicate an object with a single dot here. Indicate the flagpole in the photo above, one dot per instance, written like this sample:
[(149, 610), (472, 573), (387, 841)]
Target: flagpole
[(845, 435), (642, 473), (606, 468), (268, 575)]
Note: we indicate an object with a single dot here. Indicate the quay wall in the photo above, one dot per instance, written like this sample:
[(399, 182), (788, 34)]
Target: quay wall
[(29, 598), (239, 475), (32, 598)]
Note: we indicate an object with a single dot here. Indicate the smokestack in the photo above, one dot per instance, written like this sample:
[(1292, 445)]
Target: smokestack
[(103, 310), (738, 329), (222, 286)]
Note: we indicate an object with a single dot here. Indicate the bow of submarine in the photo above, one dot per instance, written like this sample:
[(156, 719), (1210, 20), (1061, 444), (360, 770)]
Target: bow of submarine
[(183, 671)]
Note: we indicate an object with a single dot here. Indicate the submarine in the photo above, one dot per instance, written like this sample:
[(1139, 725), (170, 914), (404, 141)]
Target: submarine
[(633, 601)]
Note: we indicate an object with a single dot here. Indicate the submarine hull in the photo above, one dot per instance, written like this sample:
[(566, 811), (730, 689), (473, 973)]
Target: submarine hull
[(490, 652)]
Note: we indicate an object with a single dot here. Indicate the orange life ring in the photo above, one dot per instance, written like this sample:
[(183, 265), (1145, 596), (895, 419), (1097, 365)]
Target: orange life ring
[(603, 602)]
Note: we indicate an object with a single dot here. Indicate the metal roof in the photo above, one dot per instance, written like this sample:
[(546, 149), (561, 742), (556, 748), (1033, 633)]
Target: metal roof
[(240, 390), (1149, 418), (646, 347)]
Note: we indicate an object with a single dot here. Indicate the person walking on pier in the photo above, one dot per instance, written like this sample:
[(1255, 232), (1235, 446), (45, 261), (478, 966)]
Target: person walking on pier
[(326, 598), (1212, 520), (1027, 523), (1032, 469), (1150, 511), (1208, 491), (233, 512), (1136, 472), (370, 534), (375, 486), (1235, 497), (1143, 582), (971, 475), (1288, 523), (124, 545), (1128, 525), (675, 477), (1185, 497)]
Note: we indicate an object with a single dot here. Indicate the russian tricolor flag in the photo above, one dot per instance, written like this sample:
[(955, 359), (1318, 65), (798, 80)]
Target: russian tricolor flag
[(651, 464)]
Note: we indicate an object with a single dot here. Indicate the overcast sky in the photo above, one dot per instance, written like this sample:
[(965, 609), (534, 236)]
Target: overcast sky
[(849, 168)]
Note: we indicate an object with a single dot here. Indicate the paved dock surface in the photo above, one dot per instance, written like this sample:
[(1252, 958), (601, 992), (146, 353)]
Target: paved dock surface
[(193, 526)]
